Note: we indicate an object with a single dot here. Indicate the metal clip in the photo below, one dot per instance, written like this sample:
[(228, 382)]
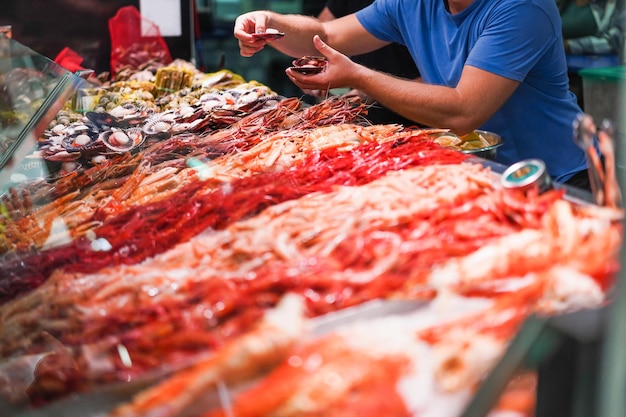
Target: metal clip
[(527, 176), (602, 171)]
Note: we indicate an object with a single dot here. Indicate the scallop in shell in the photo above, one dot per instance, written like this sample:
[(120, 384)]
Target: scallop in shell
[(157, 126), (309, 64), (120, 140), (79, 141), (107, 119)]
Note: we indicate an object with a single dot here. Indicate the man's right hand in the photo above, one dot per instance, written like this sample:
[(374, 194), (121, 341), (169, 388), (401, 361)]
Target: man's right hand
[(247, 24)]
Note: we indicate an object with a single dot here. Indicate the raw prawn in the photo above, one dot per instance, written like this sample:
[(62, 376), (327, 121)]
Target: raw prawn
[(565, 237), (202, 204)]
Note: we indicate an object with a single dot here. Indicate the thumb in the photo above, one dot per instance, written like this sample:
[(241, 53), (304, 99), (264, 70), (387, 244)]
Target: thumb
[(323, 48), (261, 23)]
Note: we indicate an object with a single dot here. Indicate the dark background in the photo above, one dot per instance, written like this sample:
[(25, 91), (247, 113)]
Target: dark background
[(48, 26)]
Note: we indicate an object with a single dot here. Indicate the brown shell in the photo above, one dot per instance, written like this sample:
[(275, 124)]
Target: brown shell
[(309, 64), (310, 61)]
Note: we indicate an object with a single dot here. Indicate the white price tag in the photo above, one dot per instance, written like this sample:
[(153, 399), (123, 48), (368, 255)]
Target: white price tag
[(166, 14)]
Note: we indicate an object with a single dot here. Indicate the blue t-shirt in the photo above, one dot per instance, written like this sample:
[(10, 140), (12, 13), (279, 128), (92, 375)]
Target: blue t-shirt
[(516, 39)]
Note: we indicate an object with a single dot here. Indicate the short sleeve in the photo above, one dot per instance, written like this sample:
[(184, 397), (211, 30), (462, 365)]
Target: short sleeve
[(513, 42)]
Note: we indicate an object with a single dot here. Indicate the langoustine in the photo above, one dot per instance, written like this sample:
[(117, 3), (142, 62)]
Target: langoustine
[(85, 310), (428, 361)]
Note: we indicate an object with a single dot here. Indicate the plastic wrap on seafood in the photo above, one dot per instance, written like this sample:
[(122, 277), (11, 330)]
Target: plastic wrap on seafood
[(336, 249), (382, 366)]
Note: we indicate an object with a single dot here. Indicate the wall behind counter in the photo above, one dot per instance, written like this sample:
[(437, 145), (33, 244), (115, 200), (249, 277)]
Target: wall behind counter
[(48, 26)]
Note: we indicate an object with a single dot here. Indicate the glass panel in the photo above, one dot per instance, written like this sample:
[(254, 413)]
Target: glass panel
[(33, 89), (612, 393)]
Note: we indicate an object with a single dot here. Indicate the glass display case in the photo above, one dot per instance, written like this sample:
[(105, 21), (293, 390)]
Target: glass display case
[(115, 285), (32, 91)]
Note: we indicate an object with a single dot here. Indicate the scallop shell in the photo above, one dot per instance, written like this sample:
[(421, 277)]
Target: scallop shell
[(156, 126), (212, 100), (122, 140), (310, 61), (101, 118), (79, 141), (107, 119), (121, 112)]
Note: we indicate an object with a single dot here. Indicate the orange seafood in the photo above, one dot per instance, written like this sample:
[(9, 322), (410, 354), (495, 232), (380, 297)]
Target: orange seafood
[(328, 378), (337, 248), (242, 359), (279, 151), (331, 111), (371, 366), (566, 236), (75, 200)]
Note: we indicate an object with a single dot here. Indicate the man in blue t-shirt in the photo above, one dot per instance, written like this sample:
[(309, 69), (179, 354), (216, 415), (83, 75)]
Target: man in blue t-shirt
[(497, 65)]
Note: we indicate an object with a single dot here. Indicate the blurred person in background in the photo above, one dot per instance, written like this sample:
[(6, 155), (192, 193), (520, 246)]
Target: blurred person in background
[(590, 27)]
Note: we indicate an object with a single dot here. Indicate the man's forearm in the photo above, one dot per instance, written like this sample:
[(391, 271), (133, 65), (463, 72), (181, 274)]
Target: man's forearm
[(299, 31), (430, 105)]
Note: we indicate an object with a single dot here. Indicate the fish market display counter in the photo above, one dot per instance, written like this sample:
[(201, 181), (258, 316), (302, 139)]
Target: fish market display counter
[(197, 244)]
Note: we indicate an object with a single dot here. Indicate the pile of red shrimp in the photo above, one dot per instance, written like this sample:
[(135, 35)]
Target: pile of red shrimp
[(201, 204)]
